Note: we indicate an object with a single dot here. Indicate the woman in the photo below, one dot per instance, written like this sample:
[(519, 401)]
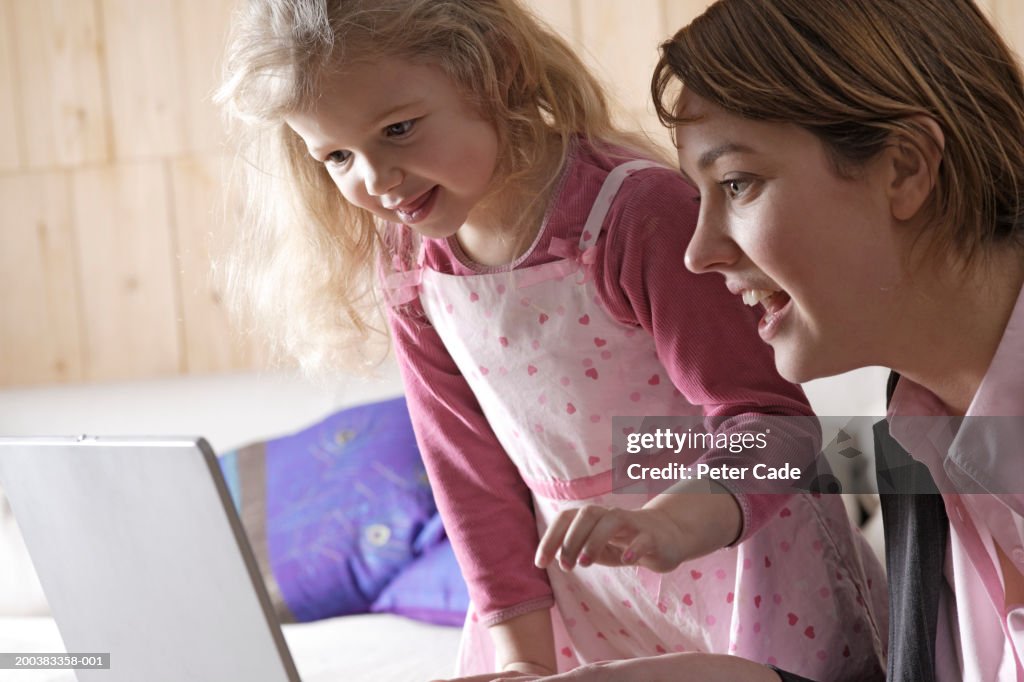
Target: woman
[(860, 166)]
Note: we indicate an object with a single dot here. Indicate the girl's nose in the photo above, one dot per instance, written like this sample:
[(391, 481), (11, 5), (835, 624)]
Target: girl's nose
[(711, 249), (381, 177)]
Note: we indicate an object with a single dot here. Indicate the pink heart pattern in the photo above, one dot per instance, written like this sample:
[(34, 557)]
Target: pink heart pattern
[(556, 394)]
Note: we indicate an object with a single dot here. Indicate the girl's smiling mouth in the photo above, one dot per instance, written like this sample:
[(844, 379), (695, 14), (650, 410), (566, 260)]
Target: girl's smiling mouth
[(417, 209)]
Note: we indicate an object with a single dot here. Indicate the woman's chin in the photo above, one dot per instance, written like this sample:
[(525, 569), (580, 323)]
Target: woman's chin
[(799, 362)]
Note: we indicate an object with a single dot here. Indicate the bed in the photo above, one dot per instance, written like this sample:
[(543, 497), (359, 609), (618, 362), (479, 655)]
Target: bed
[(233, 410)]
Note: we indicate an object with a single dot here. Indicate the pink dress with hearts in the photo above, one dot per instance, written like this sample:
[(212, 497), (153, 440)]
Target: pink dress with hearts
[(549, 357)]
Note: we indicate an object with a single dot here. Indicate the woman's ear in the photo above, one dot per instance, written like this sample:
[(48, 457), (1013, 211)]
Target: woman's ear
[(915, 155)]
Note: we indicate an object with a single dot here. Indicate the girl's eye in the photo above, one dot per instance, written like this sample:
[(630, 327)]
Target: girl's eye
[(338, 157), (735, 188), (399, 129)]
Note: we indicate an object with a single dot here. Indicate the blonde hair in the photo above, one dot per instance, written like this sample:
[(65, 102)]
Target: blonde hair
[(854, 73), (305, 265)]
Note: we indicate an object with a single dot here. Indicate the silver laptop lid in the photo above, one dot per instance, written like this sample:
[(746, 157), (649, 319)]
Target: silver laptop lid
[(141, 554)]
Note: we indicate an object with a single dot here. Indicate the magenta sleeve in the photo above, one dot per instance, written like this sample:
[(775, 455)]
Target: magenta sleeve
[(705, 336), (486, 506)]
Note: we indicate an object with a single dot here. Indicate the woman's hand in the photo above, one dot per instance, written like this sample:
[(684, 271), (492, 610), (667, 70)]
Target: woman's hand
[(667, 668), (508, 676), (520, 672), (671, 668), (672, 528)]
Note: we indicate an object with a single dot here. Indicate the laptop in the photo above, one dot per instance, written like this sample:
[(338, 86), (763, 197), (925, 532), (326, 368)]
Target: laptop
[(141, 555)]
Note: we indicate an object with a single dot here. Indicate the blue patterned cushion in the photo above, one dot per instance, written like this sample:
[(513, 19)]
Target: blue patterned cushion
[(335, 512)]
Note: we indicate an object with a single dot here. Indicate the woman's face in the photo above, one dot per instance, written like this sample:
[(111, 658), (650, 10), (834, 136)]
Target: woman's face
[(818, 251)]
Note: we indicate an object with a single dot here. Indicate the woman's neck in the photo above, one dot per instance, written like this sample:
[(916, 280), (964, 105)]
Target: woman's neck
[(953, 325)]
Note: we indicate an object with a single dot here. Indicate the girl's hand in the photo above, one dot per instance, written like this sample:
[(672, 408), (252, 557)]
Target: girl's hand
[(613, 537), (672, 528)]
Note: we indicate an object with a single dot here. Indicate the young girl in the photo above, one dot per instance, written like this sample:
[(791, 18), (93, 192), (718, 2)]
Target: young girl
[(529, 255), (861, 169)]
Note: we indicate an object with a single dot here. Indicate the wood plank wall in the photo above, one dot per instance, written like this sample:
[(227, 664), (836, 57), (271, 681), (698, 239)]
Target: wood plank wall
[(111, 159)]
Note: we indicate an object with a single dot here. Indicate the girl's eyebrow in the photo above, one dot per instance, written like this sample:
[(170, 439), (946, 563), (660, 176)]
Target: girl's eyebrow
[(377, 121), (389, 113)]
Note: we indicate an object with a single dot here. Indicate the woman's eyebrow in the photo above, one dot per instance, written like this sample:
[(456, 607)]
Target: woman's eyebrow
[(710, 156)]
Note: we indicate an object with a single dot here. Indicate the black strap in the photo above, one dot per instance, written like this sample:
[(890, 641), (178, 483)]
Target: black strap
[(916, 531)]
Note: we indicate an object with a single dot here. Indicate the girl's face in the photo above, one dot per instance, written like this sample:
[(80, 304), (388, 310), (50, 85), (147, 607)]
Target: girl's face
[(819, 252), (400, 140)]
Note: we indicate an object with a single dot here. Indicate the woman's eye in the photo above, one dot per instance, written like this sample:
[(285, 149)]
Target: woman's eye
[(399, 129), (338, 157), (735, 188)]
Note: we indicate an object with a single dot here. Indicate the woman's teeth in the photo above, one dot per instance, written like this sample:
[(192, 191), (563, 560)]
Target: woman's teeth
[(754, 296)]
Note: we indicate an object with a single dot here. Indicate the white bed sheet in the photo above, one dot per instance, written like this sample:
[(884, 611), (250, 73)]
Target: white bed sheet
[(365, 648)]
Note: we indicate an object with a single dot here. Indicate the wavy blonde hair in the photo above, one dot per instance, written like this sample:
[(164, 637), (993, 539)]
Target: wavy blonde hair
[(304, 268)]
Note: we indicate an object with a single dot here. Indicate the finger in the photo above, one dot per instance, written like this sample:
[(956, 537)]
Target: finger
[(606, 539), (639, 549), (594, 672), (506, 676), (578, 533), (553, 536)]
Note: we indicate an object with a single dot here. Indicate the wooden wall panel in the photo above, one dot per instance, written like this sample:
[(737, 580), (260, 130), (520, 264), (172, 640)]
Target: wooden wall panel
[(561, 15), (110, 163), (679, 13), (130, 306), (203, 227), (145, 64), (1008, 16), (620, 40), (39, 315), (61, 94), (10, 154), (203, 32)]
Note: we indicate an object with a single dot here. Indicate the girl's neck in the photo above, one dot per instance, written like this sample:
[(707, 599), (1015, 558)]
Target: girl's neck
[(954, 324), (506, 223)]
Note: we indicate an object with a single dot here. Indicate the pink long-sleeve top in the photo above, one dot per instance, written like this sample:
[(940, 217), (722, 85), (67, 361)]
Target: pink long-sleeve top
[(705, 337)]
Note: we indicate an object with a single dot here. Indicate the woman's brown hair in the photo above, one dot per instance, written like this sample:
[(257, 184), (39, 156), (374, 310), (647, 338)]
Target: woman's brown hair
[(854, 73)]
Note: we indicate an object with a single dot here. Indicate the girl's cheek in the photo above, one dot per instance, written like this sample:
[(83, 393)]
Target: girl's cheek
[(350, 191)]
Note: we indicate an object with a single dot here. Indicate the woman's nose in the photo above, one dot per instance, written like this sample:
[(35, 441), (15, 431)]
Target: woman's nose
[(711, 249)]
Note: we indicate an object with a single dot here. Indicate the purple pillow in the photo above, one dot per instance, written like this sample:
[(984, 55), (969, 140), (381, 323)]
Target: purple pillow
[(333, 512), (430, 589)]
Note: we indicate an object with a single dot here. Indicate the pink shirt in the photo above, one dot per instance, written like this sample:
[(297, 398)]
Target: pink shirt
[(705, 337), (984, 636)]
